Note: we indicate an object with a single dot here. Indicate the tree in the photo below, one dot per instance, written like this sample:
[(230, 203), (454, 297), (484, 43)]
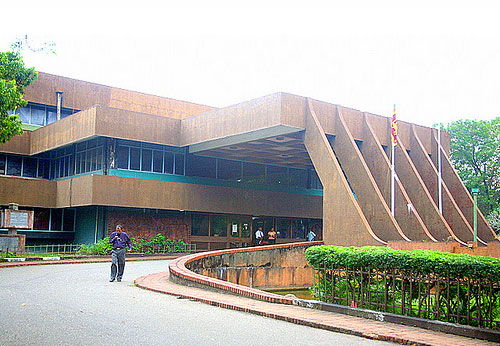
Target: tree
[(14, 78), (475, 153)]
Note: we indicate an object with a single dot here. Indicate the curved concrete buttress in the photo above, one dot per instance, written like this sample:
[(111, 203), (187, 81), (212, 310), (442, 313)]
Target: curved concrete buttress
[(378, 163), (368, 195), (343, 220)]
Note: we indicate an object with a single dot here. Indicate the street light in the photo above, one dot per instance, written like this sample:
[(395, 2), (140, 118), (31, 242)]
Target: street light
[(475, 191)]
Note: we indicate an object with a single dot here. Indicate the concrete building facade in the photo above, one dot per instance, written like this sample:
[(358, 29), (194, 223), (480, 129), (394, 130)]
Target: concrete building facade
[(93, 156)]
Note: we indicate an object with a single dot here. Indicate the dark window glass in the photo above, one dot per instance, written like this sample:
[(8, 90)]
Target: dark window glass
[(92, 143), (99, 158), (25, 115), (14, 165), (234, 227), (315, 182), (169, 162), (147, 157), (65, 113), (283, 228), (37, 115), (69, 220), (265, 222), (2, 164), (67, 165), (122, 157), (218, 225), (245, 228), (277, 175), (157, 161), (253, 173), (44, 168), (135, 158), (51, 116), (201, 166), (152, 146), (199, 224), (179, 164), (78, 158), (71, 165), (229, 170), (299, 229), (56, 220), (41, 219), (93, 160), (81, 146), (29, 167), (298, 177)]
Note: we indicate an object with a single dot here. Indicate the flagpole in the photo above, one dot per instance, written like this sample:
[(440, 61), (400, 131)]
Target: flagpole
[(440, 175), (393, 176)]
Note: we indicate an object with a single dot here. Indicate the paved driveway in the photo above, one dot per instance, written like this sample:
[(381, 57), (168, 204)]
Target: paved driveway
[(76, 305)]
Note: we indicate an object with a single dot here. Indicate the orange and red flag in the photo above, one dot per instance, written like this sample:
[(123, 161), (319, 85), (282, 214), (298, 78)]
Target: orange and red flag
[(394, 128)]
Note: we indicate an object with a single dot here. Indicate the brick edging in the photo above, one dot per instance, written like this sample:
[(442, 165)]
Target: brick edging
[(179, 271)]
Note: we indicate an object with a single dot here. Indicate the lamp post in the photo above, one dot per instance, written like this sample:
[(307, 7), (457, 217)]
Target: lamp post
[(475, 191)]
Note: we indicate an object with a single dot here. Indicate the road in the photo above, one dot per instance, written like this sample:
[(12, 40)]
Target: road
[(75, 304)]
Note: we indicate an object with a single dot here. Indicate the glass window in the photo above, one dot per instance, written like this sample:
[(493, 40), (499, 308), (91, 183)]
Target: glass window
[(299, 229), (234, 227), (298, 177), (78, 158), (68, 220), (229, 170), (277, 175), (169, 162), (65, 113), (99, 158), (56, 220), (29, 167), (93, 160), (157, 161), (41, 219), (147, 157), (179, 164), (2, 164), (43, 168), (253, 173), (245, 228), (315, 182), (25, 115), (199, 224), (218, 225), (88, 160), (14, 164), (51, 116), (38, 115), (265, 222), (71, 165), (135, 159), (283, 228), (122, 157), (201, 166)]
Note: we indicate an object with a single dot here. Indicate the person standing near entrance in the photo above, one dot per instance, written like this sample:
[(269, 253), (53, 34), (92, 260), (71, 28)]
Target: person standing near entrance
[(271, 236), (259, 236), (119, 242)]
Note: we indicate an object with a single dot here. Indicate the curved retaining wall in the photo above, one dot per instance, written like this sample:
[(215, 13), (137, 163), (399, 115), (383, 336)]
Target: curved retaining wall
[(235, 270)]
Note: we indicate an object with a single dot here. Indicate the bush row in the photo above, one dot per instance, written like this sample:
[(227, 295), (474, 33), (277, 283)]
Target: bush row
[(413, 262)]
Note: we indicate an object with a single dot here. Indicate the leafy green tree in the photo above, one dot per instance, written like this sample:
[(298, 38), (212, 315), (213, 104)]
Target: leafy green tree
[(14, 78), (475, 153)]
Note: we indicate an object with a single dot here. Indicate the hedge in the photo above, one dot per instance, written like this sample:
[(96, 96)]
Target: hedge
[(412, 262)]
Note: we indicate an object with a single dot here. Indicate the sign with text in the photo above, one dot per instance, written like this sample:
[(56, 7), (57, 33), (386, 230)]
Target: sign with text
[(21, 219)]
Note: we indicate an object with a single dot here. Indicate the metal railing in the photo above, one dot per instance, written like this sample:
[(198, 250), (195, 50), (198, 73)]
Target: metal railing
[(464, 300)]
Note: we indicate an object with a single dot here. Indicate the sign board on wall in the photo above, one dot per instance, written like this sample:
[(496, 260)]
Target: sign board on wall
[(19, 219)]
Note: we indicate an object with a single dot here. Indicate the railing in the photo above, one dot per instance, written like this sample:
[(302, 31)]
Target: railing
[(167, 248), (464, 301), (53, 248)]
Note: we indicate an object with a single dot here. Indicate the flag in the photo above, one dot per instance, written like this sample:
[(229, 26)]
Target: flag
[(394, 128)]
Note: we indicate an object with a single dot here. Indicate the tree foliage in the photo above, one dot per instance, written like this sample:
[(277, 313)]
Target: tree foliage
[(475, 153), (14, 78)]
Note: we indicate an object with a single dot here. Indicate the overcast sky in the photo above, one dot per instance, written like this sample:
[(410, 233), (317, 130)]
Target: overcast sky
[(437, 63)]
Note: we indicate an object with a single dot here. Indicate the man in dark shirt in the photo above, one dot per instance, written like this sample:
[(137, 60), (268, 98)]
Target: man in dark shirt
[(119, 241)]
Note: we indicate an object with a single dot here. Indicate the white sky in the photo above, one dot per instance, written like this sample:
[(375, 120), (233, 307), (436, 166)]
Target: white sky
[(437, 61)]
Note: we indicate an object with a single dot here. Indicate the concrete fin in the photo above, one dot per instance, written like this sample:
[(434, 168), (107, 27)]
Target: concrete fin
[(343, 220), (379, 165), (419, 194), (359, 176), (462, 198)]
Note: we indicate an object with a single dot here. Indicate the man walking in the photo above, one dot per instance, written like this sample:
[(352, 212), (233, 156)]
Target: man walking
[(119, 242)]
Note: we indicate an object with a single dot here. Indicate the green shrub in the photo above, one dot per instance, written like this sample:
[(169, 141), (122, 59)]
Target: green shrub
[(409, 262), (102, 247)]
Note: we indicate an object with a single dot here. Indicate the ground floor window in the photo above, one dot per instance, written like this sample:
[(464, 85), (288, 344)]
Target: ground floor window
[(51, 219)]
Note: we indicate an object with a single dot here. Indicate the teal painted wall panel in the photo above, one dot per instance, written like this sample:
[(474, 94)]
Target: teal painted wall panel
[(85, 224)]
